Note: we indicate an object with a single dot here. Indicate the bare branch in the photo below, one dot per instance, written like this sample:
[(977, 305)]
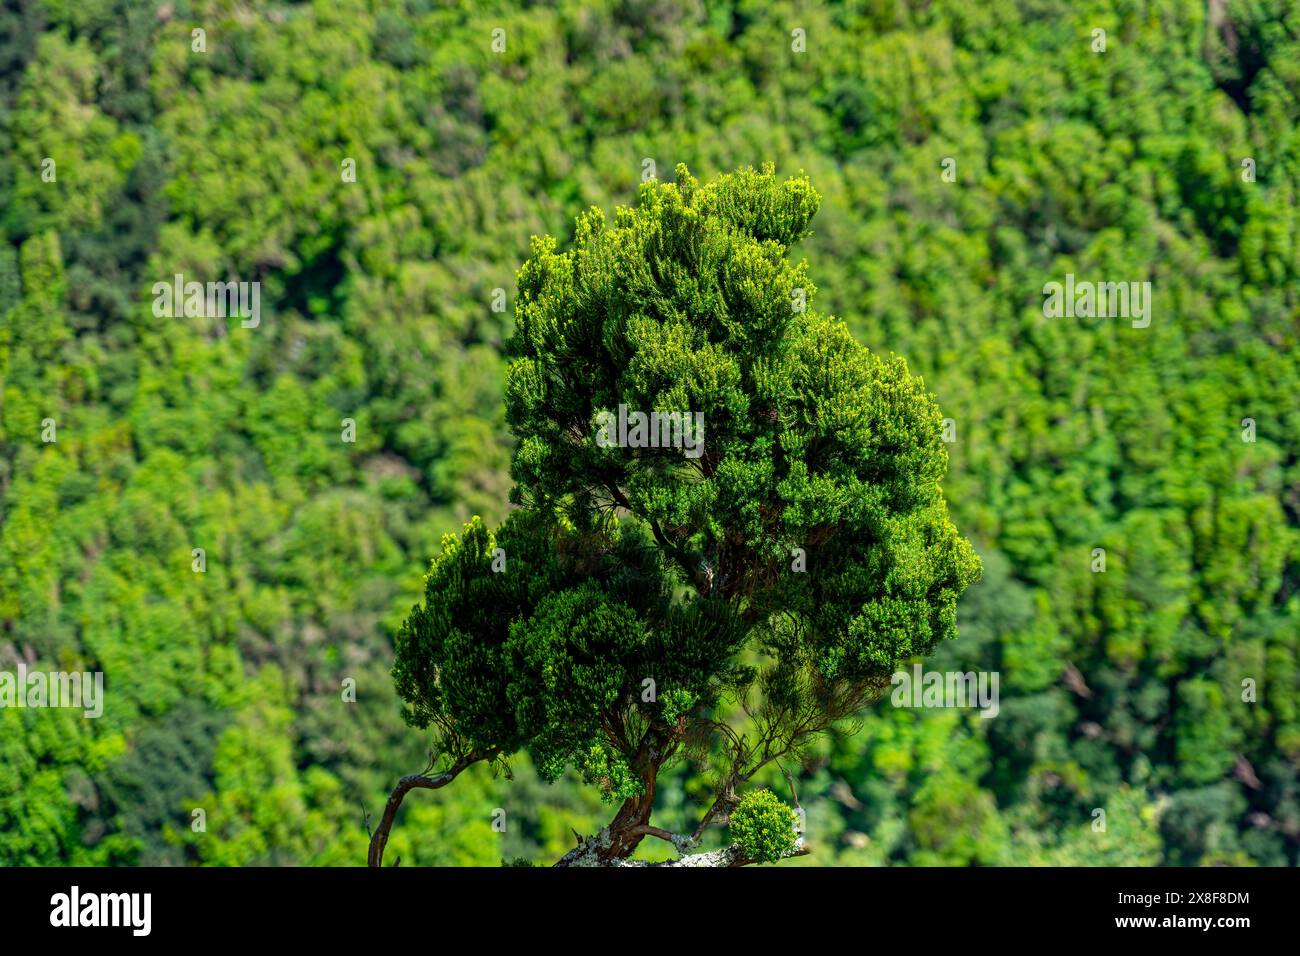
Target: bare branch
[(416, 781)]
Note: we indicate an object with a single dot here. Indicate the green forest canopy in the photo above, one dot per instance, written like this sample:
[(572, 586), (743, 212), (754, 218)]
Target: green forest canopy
[(1121, 691)]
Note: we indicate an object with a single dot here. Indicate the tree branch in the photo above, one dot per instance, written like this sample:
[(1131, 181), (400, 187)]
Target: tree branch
[(588, 852), (680, 843), (416, 781), (693, 574), (728, 856), (646, 829)]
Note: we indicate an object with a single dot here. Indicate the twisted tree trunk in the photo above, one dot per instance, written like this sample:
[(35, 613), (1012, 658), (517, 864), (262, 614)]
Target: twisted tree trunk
[(630, 825)]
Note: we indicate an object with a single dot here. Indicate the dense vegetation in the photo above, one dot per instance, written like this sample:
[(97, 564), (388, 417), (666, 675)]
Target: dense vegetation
[(226, 690)]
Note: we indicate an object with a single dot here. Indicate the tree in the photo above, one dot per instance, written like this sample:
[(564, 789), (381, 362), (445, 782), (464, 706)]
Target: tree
[(723, 500)]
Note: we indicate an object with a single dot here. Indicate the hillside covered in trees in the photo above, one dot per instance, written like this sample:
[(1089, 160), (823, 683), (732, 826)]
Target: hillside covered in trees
[(232, 522)]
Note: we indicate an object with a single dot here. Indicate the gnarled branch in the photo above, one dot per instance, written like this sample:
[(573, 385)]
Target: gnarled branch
[(416, 781)]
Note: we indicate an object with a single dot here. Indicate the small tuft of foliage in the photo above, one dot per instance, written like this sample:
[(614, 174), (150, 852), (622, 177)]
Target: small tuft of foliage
[(763, 827)]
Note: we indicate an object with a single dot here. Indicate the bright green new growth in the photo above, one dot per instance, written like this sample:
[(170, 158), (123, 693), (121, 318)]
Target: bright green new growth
[(763, 827), (649, 596)]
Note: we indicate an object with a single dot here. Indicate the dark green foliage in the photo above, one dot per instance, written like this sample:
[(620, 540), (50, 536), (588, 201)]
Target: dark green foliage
[(543, 635), (145, 793), (689, 304)]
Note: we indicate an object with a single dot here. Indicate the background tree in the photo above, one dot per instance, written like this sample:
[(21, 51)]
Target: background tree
[(789, 565)]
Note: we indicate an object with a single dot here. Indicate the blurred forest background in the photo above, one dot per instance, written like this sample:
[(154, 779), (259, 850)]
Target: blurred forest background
[(1120, 690)]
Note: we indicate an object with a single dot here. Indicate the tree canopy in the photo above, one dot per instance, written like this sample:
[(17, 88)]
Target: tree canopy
[(790, 567)]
